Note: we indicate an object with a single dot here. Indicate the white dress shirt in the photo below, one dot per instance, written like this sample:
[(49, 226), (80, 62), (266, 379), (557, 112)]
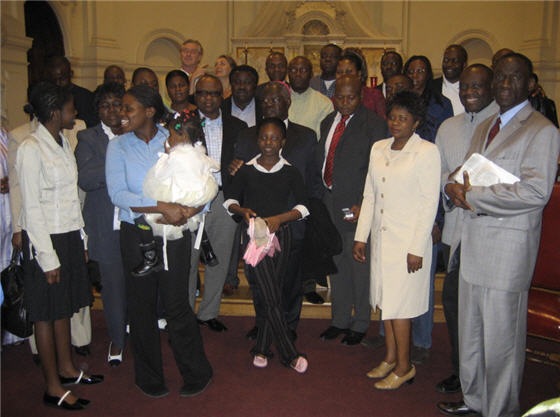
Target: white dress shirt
[(451, 91), (247, 114)]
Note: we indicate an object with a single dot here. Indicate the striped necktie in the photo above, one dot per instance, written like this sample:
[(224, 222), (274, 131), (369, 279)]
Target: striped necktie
[(493, 132)]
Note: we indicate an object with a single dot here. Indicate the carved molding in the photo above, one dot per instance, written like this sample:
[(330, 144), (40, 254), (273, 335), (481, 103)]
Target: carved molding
[(143, 45)]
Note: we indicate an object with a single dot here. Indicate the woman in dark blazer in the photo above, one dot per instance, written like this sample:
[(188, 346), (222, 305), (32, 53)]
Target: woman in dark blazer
[(101, 223)]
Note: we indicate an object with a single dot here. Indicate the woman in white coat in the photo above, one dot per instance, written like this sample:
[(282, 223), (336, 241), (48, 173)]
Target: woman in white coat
[(398, 211)]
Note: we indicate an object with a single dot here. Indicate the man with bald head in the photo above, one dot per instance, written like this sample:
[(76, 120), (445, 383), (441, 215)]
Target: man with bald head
[(347, 135), (300, 151), (309, 107), (453, 62), (396, 84), (499, 241), (500, 53), (453, 141), (220, 131), (114, 74), (276, 67), (59, 71)]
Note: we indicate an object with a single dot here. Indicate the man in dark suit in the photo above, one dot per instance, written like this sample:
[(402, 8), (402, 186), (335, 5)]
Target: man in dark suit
[(391, 64), (453, 63), (299, 150), (59, 71), (242, 104), (347, 135), (499, 240), (220, 132)]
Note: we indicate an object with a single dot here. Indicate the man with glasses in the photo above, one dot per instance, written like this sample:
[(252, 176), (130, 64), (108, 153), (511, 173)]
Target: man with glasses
[(220, 132)]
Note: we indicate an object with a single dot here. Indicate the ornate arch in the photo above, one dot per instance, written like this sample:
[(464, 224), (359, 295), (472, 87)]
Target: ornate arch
[(168, 34), (479, 34)]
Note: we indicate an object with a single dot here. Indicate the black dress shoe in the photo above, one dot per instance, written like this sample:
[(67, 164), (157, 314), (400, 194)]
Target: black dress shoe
[(191, 391), (332, 332), (458, 408), (253, 333), (59, 402), (352, 338), (314, 298), (419, 355), (449, 385), (82, 350), (374, 342), (154, 391), (213, 324), (81, 379)]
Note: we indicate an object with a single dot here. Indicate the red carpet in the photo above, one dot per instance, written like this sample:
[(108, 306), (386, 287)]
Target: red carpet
[(335, 384)]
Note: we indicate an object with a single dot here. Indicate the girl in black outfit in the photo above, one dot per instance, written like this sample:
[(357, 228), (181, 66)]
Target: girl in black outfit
[(270, 188)]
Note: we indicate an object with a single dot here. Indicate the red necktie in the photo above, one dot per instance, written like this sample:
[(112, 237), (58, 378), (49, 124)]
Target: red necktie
[(338, 131), (493, 132)]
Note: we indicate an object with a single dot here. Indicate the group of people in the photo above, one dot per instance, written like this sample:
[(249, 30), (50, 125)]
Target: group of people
[(262, 162)]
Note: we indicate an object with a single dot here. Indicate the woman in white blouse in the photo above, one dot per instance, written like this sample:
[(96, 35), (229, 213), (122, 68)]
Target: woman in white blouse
[(397, 214), (56, 281)]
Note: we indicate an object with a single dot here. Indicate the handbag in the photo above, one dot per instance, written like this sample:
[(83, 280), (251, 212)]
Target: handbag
[(14, 315)]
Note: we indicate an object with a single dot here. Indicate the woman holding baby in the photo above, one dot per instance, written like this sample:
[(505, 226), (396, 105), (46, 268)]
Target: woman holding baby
[(129, 158)]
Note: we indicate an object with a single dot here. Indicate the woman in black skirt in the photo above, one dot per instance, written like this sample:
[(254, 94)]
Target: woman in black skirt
[(56, 281)]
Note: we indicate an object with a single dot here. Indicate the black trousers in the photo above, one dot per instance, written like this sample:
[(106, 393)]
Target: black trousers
[(291, 289), (184, 332), (450, 301), (268, 275)]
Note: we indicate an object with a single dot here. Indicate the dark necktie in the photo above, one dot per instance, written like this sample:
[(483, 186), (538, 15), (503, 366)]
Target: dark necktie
[(338, 131), (493, 132)]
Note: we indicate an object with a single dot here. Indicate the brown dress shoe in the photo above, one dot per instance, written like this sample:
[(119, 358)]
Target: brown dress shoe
[(382, 370), (393, 381)]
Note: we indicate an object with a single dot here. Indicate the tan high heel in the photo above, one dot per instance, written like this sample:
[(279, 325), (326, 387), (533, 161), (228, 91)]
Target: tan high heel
[(382, 370), (393, 381)]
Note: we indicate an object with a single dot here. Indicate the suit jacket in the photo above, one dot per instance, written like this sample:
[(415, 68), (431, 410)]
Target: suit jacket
[(83, 101), (231, 127), (351, 160), (98, 211), (226, 108), (453, 141), (300, 151), (500, 239), (437, 84)]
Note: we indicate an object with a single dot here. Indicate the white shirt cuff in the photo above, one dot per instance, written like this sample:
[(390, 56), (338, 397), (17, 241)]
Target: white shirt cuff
[(303, 210), (228, 203)]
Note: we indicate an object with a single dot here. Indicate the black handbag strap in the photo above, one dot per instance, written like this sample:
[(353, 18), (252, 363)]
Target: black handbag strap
[(15, 256)]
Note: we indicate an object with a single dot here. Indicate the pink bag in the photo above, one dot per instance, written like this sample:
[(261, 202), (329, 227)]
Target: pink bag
[(262, 242)]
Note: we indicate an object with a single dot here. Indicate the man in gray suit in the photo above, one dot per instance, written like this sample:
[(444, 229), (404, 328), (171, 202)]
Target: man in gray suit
[(499, 244), (347, 135), (453, 141)]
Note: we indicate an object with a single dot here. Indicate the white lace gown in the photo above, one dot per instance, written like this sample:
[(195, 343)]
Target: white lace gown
[(183, 176)]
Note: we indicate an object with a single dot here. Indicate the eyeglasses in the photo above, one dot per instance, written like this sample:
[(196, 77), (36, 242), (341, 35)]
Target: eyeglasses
[(107, 106), (205, 93), (271, 100), (416, 71)]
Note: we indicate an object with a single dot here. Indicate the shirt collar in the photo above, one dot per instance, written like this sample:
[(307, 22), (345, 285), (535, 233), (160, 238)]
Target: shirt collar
[(211, 122), (449, 84), (277, 167), (510, 114), (250, 107), (107, 130)]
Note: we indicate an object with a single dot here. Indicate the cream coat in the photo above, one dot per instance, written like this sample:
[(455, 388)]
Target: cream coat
[(398, 210)]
